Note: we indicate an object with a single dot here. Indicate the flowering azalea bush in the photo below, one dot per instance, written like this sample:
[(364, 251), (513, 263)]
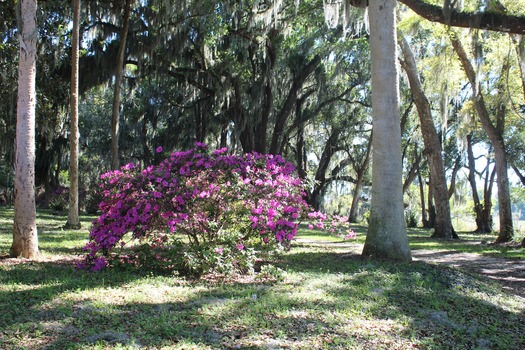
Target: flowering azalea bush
[(338, 225), (197, 211)]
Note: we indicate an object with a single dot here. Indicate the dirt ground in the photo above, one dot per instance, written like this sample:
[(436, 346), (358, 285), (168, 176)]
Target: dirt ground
[(509, 272)]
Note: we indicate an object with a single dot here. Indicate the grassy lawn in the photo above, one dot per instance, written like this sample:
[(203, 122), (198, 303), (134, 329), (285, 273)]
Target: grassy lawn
[(468, 243), (320, 297)]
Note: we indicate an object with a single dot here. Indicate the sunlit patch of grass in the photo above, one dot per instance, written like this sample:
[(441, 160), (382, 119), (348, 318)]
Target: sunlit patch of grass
[(316, 235), (468, 243), (53, 240)]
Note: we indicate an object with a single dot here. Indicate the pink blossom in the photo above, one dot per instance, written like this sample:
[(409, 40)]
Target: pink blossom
[(197, 193), (257, 211)]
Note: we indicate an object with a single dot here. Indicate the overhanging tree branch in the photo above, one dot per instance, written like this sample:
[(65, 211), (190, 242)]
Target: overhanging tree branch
[(346, 178), (499, 22)]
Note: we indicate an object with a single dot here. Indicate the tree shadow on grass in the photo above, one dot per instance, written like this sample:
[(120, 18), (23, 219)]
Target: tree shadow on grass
[(206, 319), (45, 301), (445, 307), (333, 300), (51, 243), (28, 286)]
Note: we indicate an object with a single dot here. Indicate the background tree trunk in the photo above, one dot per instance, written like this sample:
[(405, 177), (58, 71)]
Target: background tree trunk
[(386, 237), (73, 219), (424, 216), (443, 225), (431, 222), (289, 104), (483, 213), (329, 150), (519, 41), (360, 172), (25, 238), (506, 231), (118, 81), (453, 176)]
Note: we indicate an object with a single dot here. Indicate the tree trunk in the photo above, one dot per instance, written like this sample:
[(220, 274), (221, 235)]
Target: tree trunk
[(519, 41), (300, 153), (412, 173), (424, 216), (261, 129), (519, 174), (453, 176), (25, 237), (483, 225), (506, 231), (361, 171), (443, 225), (118, 81), (289, 104), (487, 196), (224, 136), (430, 203), (329, 150), (386, 237), (73, 221)]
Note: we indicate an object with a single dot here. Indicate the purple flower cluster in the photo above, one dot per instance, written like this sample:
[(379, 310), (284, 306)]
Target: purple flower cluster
[(206, 199)]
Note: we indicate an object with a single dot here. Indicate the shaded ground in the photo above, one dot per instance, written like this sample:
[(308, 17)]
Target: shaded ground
[(326, 298), (508, 272)]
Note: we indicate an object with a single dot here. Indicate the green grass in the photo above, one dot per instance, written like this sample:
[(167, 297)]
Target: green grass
[(325, 298), (468, 243)]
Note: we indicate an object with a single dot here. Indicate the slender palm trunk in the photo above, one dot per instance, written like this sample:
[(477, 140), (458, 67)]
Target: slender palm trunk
[(386, 237), (25, 238), (73, 219)]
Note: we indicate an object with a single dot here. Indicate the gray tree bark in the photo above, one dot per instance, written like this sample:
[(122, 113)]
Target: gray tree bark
[(25, 237), (73, 220), (386, 237)]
